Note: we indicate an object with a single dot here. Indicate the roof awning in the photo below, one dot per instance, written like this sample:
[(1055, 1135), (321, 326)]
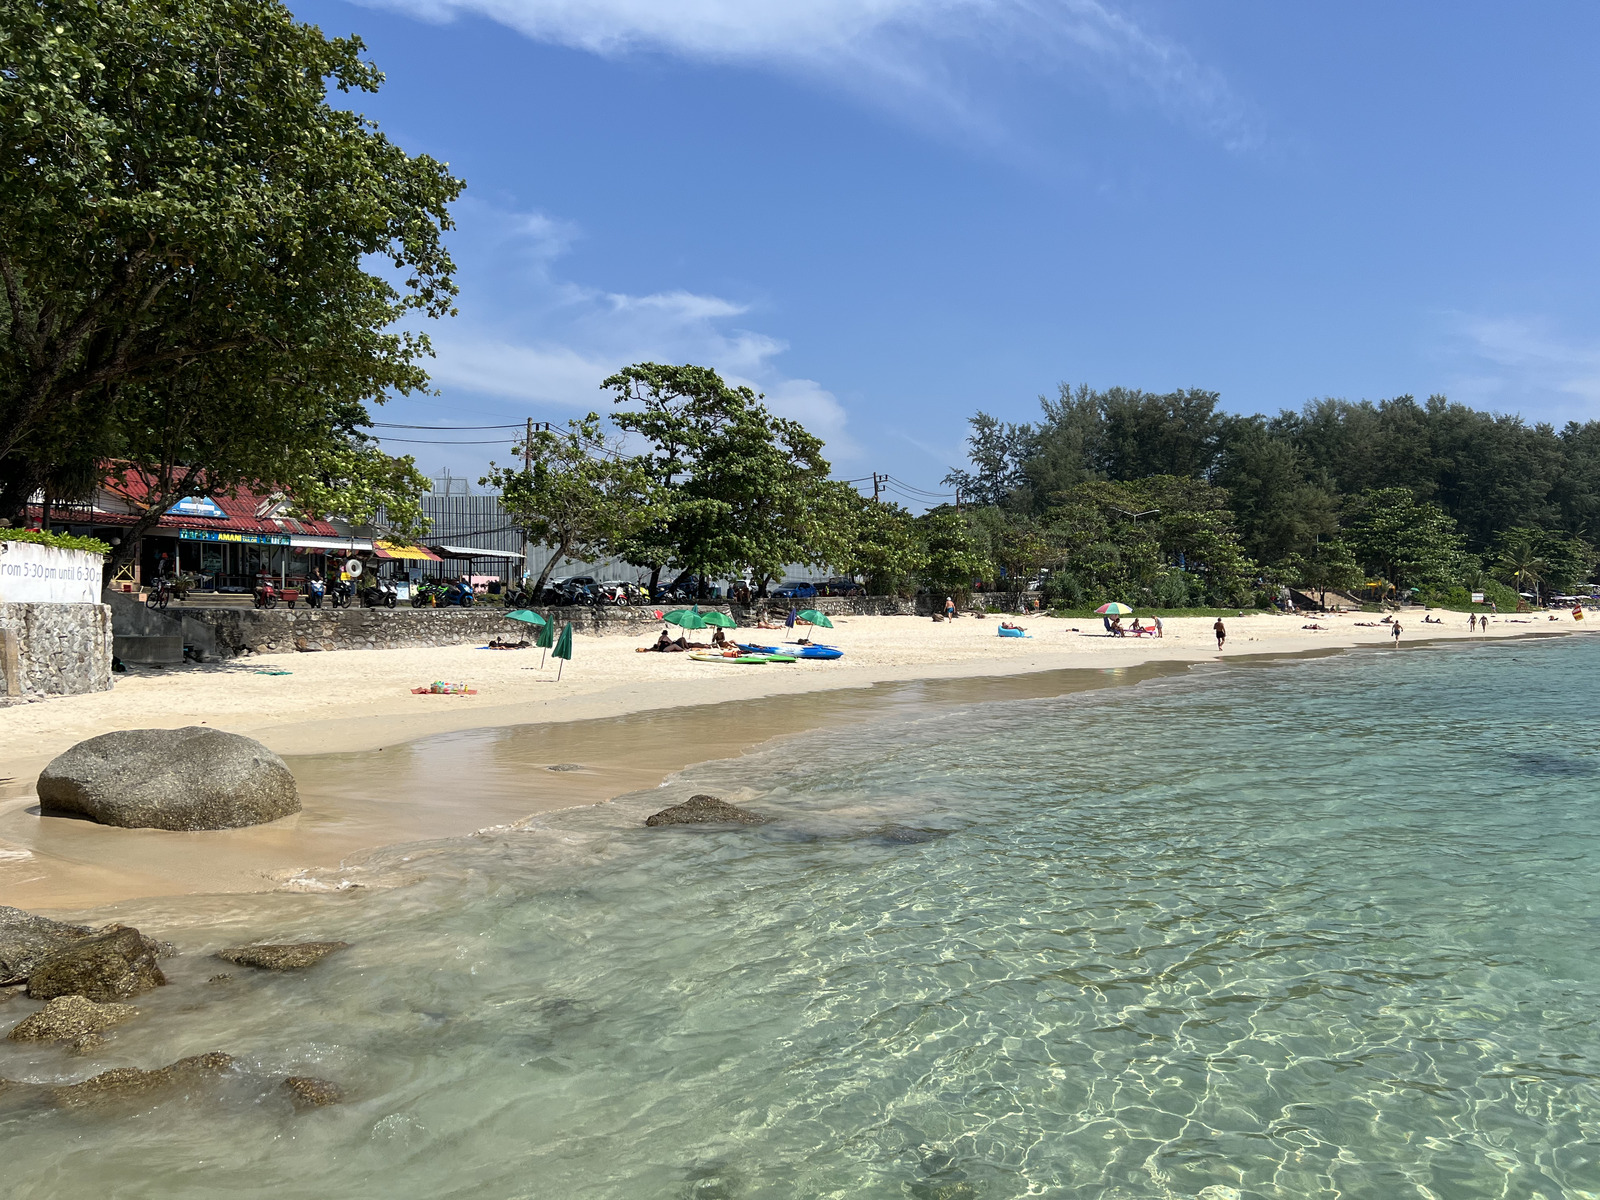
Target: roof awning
[(312, 541), (390, 550), (473, 552)]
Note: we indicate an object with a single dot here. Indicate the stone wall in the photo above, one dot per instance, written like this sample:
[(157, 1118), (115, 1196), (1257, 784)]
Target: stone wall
[(54, 649)]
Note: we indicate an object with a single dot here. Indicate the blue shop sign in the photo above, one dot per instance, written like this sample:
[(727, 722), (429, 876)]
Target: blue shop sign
[(217, 535), (197, 506)]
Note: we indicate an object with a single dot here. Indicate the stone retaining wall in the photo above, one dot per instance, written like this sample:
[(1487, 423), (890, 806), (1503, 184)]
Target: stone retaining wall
[(54, 649)]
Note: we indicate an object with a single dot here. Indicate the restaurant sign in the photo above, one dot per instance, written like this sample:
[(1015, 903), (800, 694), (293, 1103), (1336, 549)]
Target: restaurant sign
[(219, 535), (197, 506)]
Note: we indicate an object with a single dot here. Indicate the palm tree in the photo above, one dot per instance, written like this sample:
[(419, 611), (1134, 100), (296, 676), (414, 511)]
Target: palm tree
[(1521, 565)]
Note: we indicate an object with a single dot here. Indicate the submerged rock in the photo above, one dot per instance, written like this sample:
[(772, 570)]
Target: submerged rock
[(307, 1091), (287, 956), (27, 940), (75, 1019), (907, 835), (567, 767), (130, 1083), (703, 810), (114, 964), (190, 778)]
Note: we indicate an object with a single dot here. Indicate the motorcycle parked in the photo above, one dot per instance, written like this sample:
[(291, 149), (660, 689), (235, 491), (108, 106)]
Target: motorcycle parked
[(266, 595), (340, 593), (378, 594), (459, 593), (426, 594), (315, 591)]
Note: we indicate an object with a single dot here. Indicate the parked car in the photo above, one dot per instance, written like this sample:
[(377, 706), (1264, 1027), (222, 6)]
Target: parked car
[(843, 587), (795, 589)]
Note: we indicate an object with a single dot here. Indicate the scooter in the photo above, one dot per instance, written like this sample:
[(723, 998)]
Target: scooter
[(339, 593), (315, 591), (266, 594), (378, 595)]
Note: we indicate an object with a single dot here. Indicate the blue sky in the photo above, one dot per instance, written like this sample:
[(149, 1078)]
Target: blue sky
[(889, 213)]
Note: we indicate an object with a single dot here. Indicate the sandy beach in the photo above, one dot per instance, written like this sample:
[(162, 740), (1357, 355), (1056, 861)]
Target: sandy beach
[(379, 765)]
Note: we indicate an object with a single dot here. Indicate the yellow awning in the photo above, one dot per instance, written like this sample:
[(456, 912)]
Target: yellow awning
[(390, 550)]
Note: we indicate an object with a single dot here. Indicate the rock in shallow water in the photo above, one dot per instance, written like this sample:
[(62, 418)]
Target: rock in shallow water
[(185, 779), (27, 940), (130, 1083), (114, 964), (702, 810), (306, 1091), (72, 1019), (288, 956)]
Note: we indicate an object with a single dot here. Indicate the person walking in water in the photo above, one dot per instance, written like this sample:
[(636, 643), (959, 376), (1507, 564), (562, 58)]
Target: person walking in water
[(1394, 632), (1221, 631)]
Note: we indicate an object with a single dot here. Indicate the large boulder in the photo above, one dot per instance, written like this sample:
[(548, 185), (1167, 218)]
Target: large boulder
[(27, 940), (705, 810), (114, 964), (189, 778)]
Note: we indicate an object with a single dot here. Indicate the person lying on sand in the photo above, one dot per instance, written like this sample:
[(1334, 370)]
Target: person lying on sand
[(1010, 625), (767, 625), (1367, 624), (497, 644), (1313, 625), (1437, 621)]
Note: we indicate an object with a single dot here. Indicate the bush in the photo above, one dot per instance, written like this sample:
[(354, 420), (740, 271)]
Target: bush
[(61, 541), (1459, 597), (1171, 590)]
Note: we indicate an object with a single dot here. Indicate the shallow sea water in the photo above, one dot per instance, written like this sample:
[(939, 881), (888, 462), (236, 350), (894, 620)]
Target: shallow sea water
[(1304, 929)]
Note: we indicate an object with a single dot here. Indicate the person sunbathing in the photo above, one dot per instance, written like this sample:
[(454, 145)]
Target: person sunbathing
[(1010, 625), (1313, 625), (719, 640), (497, 644)]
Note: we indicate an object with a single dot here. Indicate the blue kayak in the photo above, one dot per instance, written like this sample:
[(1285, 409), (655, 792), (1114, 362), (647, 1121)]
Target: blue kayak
[(797, 651)]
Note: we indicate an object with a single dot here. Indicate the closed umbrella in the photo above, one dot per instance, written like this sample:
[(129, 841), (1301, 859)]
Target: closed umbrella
[(563, 649), (789, 623), (546, 639)]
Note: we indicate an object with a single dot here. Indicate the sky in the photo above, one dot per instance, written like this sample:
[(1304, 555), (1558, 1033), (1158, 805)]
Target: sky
[(888, 214)]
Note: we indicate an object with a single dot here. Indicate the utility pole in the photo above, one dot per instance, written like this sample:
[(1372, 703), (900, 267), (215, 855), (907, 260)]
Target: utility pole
[(527, 466), (877, 482), (958, 499)]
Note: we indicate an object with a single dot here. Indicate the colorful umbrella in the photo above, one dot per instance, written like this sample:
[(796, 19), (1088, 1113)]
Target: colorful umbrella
[(563, 649), (1114, 610), (526, 614), (819, 619), (546, 639), (687, 618), (716, 618)]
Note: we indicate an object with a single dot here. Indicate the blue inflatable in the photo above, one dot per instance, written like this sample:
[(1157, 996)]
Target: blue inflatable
[(797, 650), (1004, 632)]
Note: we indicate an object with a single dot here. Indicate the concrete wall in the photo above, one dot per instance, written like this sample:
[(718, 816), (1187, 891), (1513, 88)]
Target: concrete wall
[(54, 649)]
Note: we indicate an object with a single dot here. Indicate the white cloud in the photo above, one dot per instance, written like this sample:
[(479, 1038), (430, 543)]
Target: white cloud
[(939, 62), (1523, 364), (529, 336)]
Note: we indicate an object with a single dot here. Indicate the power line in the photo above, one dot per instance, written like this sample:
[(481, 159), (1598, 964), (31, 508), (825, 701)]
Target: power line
[(440, 428), (440, 442)]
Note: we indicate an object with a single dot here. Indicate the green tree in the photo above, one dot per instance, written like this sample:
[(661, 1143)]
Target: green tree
[(179, 202), (1279, 511), (955, 557), (1407, 543), (578, 495), (886, 547), (1327, 566)]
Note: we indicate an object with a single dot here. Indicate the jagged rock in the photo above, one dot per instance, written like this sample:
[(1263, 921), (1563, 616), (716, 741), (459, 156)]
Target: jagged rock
[(289, 956), (130, 1083), (306, 1091), (190, 778), (75, 1019), (114, 964), (27, 940), (701, 810)]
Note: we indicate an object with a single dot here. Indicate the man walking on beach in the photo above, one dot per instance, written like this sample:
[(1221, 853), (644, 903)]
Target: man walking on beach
[(1394, 632), (1221, 631)]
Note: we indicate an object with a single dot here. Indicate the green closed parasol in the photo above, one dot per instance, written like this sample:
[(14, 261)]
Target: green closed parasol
[(563, 649), (819, 619), (546, 639)]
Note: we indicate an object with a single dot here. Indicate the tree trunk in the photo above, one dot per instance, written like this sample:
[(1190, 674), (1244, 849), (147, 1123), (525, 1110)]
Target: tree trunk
[(549, 565)]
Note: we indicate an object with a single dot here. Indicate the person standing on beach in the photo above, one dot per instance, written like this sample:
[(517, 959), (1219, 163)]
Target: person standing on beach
[(1394, 632), (1472, 623), (949, 609), (1221, 631)]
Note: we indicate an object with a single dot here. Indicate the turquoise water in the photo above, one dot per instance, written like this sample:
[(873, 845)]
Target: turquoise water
[(1317, 928)]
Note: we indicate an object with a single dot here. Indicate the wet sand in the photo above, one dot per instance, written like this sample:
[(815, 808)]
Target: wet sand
[(385, 767)]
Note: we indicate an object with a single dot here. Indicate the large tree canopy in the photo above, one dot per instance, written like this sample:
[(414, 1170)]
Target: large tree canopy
[(183, 212)]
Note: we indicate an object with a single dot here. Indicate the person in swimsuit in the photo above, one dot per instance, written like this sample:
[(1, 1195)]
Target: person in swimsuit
[(1472, 623), (1394, 632), (1221, 631)]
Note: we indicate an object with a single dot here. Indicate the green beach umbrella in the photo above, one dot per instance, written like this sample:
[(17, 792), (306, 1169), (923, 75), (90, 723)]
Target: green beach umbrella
[(1114, 610), (563, 649), (816, 618), (685, 617), (527, 615), (716, 618), (546, 639)]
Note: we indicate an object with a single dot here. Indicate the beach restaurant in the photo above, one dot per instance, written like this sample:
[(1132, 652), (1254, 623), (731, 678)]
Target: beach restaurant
[(227, 542)]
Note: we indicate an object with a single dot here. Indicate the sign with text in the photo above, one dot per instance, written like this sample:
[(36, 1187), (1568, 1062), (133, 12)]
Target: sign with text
[(34, 574), (197, 506), (213, 535)]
